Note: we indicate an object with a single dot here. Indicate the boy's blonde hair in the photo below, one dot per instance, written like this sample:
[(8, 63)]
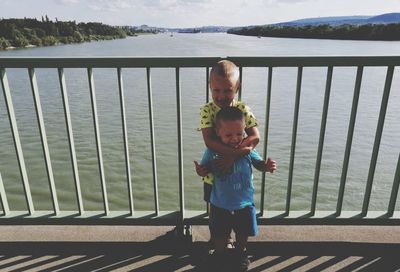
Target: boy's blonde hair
[(226, 69)]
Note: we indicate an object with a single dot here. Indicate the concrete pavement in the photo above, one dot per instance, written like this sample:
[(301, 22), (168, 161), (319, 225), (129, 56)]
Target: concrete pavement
[(144, 248)]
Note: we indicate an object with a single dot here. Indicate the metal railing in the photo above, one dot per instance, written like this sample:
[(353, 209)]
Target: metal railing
[(182, 216)]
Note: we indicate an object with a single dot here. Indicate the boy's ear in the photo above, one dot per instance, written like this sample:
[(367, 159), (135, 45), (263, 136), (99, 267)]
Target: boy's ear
[(238, 87)]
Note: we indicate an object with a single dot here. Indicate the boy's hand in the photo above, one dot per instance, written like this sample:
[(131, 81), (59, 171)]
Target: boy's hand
[(224, 164), (202, 171), (270, 166), (246, 143), (241, 151)]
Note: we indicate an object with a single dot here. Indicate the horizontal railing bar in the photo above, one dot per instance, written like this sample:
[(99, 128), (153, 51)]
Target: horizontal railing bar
[(378, 218), (110, 62)]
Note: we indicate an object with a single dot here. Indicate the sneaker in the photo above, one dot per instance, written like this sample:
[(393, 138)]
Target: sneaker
[(243, 260), (216, 261), (230, 243)]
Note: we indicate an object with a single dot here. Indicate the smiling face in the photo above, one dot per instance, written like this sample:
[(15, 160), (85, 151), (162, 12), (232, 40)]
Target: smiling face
[(231, 132), (224, 83), (223, 89)]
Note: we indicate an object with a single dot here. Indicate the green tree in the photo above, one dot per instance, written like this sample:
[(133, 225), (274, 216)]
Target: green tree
[(4, 43), (49, 40), (78, 37)]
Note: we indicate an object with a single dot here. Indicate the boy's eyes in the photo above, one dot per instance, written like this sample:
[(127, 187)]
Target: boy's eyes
[(224, 91), (230, 135)]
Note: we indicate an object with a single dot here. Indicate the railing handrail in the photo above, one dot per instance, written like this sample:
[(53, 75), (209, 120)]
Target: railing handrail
[(160, 62)]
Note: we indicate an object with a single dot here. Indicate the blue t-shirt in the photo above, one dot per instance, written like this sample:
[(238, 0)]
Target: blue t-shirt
[(235, 190)]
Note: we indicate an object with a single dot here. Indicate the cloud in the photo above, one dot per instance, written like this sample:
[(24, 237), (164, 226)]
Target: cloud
[(67, 2), (171, 4), (113, 6), (286, 1)]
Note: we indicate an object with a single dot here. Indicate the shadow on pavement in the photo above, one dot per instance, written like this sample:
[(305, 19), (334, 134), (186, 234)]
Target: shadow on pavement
[(167, 253)]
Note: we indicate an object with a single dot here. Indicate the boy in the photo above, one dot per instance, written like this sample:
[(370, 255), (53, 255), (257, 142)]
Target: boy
[(232, 193), (224, 84)]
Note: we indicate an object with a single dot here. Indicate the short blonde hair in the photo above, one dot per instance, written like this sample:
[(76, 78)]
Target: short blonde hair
[(226, 69)]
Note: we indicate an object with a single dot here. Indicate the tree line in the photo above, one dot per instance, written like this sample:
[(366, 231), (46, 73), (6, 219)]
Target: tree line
[(389, 32), (24, 32)]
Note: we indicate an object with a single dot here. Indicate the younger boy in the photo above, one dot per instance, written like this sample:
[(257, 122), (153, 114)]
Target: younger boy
[(232, 193)]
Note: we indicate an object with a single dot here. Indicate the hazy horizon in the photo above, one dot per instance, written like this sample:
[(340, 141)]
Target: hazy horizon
[(192, 13)]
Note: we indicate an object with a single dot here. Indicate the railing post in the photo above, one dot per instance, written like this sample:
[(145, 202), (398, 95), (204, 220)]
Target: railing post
[(350, 132), (43, 138), (321, 139), (294, 136), (395, 190), (241, 83), (16, 139), (152, 138), (3, 198), (266, 132), (98, 141), (207, 84), (180, 153), (71, 143), (125, 139), (378, 136)]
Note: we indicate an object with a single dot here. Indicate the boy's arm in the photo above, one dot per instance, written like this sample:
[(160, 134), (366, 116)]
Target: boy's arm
[(252, 139), (265, 166), (228, 154), (220, 148), (201, 170)]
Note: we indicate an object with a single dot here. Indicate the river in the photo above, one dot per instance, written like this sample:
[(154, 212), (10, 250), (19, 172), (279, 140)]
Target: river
[(193, 95)]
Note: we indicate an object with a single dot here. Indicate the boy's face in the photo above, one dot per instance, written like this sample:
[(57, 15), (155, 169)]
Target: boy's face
[(223, 90), (231, 132)]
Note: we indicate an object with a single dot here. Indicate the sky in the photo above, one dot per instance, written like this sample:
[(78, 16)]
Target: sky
[(192, 13)]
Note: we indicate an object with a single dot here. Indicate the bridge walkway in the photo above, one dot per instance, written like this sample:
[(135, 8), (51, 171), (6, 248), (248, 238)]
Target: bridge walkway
[(144, 248)]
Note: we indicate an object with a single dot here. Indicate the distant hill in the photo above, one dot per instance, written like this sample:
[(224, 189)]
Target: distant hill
[(326, 20), (385, 27), (388, 18)]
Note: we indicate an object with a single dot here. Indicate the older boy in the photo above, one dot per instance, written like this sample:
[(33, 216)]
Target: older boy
[(224, 84), (232, 193)]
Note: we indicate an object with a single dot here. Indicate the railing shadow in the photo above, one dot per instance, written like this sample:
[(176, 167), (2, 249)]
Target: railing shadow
[(168, 253)]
